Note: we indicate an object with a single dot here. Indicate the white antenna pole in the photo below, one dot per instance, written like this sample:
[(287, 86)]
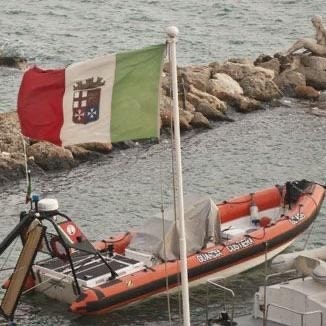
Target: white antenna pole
[(172, 33)]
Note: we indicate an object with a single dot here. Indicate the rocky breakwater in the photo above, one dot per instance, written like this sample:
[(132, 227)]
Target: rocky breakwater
[(207, 93)]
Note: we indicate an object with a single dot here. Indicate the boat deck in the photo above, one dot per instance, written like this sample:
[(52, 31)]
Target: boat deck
[(251, 321), (90, 269)]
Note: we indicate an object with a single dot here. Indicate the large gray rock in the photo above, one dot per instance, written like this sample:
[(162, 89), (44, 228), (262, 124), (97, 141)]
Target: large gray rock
[(260, 87), (103, 148), (166, 84), (166, 103), (288, 80), (82, 154), (196, 97), (315, 62), (307, 92), (240, 60), (272, 64), (262, 58), (51, 157), (11, 169), (10, 137), (211, 113), (242, 103), (223, 83), (199, 121), (185, 118), (315, 78), (197, 76), (239, 71), (13, 62)]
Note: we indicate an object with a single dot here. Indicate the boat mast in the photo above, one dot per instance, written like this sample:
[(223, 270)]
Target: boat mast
[(172, 33)]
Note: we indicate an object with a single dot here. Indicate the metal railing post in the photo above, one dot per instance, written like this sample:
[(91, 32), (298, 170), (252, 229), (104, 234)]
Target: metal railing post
[(224, 289)]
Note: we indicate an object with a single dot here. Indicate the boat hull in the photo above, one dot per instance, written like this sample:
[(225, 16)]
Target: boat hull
[(245, 247)]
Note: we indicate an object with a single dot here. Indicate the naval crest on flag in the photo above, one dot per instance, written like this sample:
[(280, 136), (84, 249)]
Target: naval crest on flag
[(86, 100)]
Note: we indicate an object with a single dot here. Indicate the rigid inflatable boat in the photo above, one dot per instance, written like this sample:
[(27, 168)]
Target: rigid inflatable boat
[(224, 239)]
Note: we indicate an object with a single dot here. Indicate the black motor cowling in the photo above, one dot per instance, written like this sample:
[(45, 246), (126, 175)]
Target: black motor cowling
[(294, 190)]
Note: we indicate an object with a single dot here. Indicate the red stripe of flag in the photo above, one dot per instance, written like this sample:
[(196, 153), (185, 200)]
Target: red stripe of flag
[(40, 104)]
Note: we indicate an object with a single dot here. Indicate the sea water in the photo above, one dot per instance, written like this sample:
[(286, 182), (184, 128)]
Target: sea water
[(121, 190)]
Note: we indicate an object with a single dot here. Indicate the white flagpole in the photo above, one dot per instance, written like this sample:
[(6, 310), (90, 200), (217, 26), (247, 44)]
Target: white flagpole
[(172, 33)]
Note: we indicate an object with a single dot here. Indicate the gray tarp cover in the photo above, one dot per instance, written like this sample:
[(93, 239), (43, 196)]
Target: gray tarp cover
[(201, 223)]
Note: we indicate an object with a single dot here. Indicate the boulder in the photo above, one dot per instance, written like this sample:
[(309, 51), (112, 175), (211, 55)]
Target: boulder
[(166, 103), (223, 83), (82, 154), (51, 157), (166, 118), (288, 80), (239, 71), (315, 78), (260, 87), (315, 62), (246, 105), (184, 103), (165, 84), (187, 106), (13, 62), (306, 92), (11, 169), (211, 113), (242, 103), (199, 121), (103, 148), (262, 59), (196, 97), (185, 118), (272, 64), (240, 60), (197, 76), (11, 140)]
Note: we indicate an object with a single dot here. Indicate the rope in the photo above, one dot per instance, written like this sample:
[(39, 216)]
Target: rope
[(7, 269), (308, 237)]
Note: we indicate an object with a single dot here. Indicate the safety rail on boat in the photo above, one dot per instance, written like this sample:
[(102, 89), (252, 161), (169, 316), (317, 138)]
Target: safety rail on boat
[(302, 314), (213, 282), (267, 278)]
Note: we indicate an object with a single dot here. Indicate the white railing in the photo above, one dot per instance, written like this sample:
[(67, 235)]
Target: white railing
[(223, 288), (302, 314)]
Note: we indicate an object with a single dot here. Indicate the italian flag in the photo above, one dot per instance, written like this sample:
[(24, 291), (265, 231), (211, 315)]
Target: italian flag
[(107, 99)]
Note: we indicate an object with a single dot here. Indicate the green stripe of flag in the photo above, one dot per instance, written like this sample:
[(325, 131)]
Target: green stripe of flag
[(136, 92)]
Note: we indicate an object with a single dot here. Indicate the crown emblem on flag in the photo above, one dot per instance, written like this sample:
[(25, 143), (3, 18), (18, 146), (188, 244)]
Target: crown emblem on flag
[(86, 100)]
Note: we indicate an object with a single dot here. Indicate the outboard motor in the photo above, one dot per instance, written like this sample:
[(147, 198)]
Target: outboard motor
[(294, 190)]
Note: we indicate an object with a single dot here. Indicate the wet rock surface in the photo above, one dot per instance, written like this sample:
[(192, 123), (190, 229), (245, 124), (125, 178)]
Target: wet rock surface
[(206, 93)]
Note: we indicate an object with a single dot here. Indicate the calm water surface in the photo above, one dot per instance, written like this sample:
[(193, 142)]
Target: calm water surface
[(121, 191)]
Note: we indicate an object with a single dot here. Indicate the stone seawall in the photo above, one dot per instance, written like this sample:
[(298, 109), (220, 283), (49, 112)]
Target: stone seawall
[(206, 93)]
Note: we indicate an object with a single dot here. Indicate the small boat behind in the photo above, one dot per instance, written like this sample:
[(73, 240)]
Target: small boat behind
[(222, 239), (299, 299)]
